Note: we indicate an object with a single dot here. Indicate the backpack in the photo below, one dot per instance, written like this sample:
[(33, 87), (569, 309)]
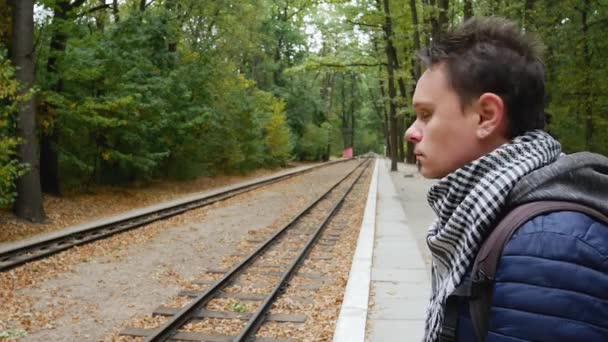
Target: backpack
[(478, 288)]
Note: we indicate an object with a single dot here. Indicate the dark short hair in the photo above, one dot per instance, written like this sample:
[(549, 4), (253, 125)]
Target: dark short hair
[(491, 54)]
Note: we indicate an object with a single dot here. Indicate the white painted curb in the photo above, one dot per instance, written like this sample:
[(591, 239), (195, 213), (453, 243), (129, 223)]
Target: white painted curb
[(350, 326)]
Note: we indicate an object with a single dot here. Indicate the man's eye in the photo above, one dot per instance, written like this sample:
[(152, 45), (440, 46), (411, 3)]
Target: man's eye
[(424, 116)]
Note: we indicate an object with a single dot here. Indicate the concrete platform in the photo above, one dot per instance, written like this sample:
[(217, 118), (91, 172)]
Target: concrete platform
[(389, 283)]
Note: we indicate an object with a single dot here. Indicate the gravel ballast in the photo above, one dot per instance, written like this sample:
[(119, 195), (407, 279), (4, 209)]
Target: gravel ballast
[(313, 296), (89, 292)]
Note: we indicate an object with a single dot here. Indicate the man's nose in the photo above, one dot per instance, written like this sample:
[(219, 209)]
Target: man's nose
[(413, 134)]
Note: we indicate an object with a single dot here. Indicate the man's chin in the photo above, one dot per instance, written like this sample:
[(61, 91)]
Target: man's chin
[(422, 170), (427, 172)]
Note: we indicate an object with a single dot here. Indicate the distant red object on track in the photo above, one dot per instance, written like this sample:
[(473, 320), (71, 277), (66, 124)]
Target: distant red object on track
[(347, 153)]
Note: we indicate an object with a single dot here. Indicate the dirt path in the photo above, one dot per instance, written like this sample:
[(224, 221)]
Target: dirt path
[(85, 293)]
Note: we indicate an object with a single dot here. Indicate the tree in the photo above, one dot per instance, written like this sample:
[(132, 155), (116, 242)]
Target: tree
[(176, 89), (437, 17), (28, 204), (10, 168), (468, 9), (389, 49), (49, 158), (5, 23)]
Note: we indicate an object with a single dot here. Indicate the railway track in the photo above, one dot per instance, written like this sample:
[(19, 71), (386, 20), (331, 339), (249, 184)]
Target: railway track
[(40, 248), (298, 236)]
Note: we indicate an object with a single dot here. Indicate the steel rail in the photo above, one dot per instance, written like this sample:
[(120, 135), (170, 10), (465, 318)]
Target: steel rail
[(169, 328), (257, 318), (22, 254)]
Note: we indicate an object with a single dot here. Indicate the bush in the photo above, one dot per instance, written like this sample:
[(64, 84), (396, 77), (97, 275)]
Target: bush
[(10, 168), (314, 142), (277, 139)]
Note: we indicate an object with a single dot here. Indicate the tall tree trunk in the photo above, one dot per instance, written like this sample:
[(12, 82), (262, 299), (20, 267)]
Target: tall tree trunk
[(385, 122), (327, 93), (401, 119), (375, 103), (49, 159), (276, 74), (175, 7), (444, 6), (142, 5), (344, 116), (416, 73), (115, 11), (353, 96), (432, 19), (438, 18), (468, 9), (400, 124), (528, 18), (393, 58), (29, 195), (282, 15), (588, 98), (400, 81), (392, 91)]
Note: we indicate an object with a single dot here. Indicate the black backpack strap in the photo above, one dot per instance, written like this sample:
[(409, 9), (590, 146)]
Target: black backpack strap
[(448, 331), (450, 320), (486, 262)]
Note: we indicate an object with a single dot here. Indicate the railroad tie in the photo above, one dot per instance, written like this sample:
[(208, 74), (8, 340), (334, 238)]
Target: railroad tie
[(245, 296), (203, 313), (191, 336)]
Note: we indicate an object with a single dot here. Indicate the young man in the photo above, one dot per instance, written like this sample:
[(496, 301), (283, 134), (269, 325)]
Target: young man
[(479, 128)]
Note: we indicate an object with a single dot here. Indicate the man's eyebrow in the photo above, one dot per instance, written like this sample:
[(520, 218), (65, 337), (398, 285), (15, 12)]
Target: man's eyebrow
[(422, 104)]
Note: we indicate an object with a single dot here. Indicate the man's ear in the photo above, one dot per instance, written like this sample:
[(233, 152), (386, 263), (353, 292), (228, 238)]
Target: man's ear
[(491, 111)]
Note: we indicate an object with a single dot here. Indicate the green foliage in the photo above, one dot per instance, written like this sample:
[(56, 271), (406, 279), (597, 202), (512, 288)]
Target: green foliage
[(5, 22), (205, 87), (575, 62), (314, 142), (369, 135), (577, 73), (109, 116), (301, 96), (131, 109), (10, 168), (277, 138), (193, 88)]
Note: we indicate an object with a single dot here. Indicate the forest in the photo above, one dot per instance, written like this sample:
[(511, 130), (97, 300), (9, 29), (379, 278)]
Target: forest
[(113, 92)]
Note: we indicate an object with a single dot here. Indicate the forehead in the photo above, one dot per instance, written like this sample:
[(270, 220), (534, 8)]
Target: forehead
[(432, 86)]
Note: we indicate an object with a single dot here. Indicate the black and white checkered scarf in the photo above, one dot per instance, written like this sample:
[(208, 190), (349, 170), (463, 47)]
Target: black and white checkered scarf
[(467, 201)]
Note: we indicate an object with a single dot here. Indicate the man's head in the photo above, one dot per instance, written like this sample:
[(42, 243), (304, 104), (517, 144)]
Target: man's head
[(484, 84)]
